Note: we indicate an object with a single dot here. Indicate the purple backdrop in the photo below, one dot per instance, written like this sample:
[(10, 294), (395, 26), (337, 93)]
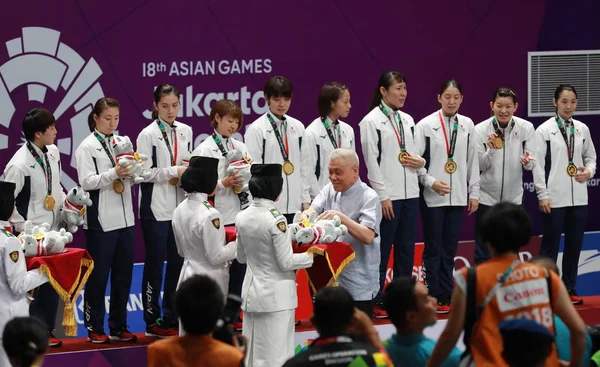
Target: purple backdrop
[(483, 44)]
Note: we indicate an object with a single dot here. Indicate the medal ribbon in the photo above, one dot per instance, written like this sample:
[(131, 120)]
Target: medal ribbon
[(400, 137), (571, 141), (284, 148), (105, 146), (498, 131), (330, 133), (175, 145), (47, 170), (219, 143), (449, 149)]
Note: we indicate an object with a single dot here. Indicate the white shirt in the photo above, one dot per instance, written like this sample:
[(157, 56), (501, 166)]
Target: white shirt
[(387, 176), (158, 199), (433, 144), (264, 148), (200, 238), (110, 211), (361, 204), (550, 173), (501, 171), (316, 149), (265, 245), (32, 186), (15, 281), (226, 201)]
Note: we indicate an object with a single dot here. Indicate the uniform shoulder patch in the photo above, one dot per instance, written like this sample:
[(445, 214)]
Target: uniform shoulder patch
[(282, 226), (275, 213), (14, 256), (208, 205), (216, 223)]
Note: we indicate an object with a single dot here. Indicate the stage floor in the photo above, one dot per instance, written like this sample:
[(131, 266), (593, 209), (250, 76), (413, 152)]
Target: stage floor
[(79, 352)]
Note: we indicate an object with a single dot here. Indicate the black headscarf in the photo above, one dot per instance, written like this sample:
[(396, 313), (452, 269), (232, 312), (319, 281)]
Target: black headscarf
[(201, 175), (266, 181), (7, 199)]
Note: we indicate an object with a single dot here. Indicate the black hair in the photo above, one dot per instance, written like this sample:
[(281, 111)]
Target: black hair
[(562, 88), (450, 83), (333, 311), (329, 93), (24, 340), (385, 80), (199, 303), (399, 298), (101, 105), (521, 349), (278, 86), (37, 120), (161, 91), (504, 93), (505, 227)]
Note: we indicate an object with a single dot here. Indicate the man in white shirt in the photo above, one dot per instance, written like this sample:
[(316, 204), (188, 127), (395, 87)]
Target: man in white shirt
[(359, 208), (35, 169)]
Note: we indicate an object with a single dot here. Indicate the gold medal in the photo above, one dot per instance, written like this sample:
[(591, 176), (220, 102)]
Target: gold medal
[(288, 168), (49, 203), (498, 142), (118, 186), (237, 189), (571, 169), (402, 156), (450, 166), (174, 181)]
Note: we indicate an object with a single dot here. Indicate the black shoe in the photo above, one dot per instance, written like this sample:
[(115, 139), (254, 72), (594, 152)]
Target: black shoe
[(123, 334), (53, 342), (575, 299)]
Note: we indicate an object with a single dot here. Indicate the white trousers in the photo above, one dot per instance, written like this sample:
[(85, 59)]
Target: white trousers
[(270, 338)]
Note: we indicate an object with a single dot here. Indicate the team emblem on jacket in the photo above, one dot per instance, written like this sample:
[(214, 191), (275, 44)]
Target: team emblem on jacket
[(217, 223), (14, 256), (275, 213), (282, 226)]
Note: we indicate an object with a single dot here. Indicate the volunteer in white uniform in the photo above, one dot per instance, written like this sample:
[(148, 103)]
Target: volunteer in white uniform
[(15, 280), (325, 134), (269, 291), (109, 225), (566, 160), (166, 142), (387, 139), (35, 169), (226, 119), (445, 140), (198, 226), (277, 138), (505, 145)]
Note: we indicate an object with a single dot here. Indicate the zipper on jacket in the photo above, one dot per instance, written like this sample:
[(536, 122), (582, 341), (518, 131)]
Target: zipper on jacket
[(451, 190), (572, 193), (287, 193), (405, 191), (123, 205), (503, 166)]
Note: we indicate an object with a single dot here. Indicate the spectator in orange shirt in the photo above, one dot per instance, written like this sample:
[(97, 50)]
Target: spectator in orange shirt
[(199, 303), (506, 289)]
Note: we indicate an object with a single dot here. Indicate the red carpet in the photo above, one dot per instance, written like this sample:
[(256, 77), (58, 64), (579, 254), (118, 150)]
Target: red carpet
[(589, 311)]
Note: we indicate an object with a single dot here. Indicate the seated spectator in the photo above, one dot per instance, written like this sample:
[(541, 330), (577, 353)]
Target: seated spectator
[(562, 335), (504, 288), (525, 343), (412, 309), (25, 340), (199, 304), (346, 335)]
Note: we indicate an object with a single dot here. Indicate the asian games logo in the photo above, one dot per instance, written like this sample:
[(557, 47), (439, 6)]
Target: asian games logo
[(43, 72)]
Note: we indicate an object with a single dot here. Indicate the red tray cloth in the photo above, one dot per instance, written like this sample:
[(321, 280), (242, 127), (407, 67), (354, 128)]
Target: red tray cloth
[(332, 260), (68, 273)]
